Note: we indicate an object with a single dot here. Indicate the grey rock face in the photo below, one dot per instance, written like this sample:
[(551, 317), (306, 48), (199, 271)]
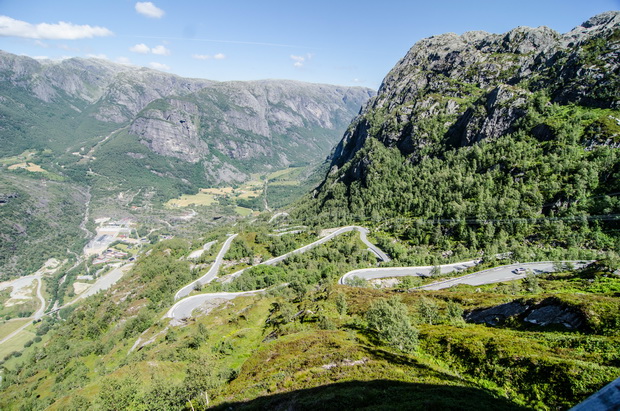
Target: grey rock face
[(267, 121), (172, 132), (547, 312), (476, 85), (504, 105), (498, 314), (602, 24), (553, 314)]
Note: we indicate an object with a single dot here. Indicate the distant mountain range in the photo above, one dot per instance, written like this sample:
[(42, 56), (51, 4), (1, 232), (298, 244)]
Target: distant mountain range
[(89, 124), (221, 131)]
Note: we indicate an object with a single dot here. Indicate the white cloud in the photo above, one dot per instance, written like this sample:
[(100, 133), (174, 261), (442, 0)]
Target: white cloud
[(299, 61), (148, 9), (59, 31), (140, 48), (159, 66), (40, 57), (144, 49), (97, 56), (218, 56), (160, 50)]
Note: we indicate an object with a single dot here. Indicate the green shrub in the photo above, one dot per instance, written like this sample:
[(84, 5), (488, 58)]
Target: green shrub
[(389, 318)]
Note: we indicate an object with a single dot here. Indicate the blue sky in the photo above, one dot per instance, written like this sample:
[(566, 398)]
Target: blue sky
[(337, 41)]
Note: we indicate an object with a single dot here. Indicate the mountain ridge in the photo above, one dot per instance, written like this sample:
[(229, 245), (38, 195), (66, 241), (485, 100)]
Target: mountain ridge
[(130, 132), (485, 61), (114, 94)]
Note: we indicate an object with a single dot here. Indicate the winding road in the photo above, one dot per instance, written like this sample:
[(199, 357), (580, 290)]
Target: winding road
[(210, 275), (422, 271), (184, 308), (363, 233), (501, 273), (186, 305)]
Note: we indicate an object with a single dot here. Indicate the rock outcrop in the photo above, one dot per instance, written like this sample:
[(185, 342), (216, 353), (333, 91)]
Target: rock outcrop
[(264, 121), (548, 312), (477, 86)]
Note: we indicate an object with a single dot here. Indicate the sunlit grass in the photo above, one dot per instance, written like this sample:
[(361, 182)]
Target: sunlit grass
[(16, 343), (200, 199)]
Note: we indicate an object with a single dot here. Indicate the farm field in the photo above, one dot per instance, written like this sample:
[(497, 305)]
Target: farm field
[(251, 190)]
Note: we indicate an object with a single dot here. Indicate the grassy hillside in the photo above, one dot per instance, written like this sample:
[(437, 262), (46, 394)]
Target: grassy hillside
[(315, 344), (40, 219)]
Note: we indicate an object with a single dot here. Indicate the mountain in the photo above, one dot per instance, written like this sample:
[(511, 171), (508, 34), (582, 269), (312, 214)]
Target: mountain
[(240, 127), (480, 84), (495, 146), (71, 106), (117, 131), (489, 141), (220, 132)]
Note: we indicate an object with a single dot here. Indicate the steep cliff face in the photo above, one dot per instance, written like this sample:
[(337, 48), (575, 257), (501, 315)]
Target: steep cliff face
[(275, 122), (454, 91), (172, 131)]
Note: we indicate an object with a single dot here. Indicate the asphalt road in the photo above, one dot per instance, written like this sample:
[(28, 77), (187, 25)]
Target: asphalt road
[(500, 274), (362, 230), (210, 275), (492, 275), (424, 271), (197, 253), (183, 309), (373, 248)]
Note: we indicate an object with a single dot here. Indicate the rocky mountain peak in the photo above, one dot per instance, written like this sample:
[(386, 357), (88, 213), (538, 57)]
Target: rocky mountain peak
[(602, 24), (524, 40), (477, 85)]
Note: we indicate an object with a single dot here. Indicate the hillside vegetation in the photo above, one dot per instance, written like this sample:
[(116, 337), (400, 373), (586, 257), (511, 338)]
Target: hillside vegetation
[(277, 349), (487, 143), (493, 148)]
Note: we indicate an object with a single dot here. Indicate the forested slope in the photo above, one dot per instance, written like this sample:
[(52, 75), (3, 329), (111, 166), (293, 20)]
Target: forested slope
[(488, 142)]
